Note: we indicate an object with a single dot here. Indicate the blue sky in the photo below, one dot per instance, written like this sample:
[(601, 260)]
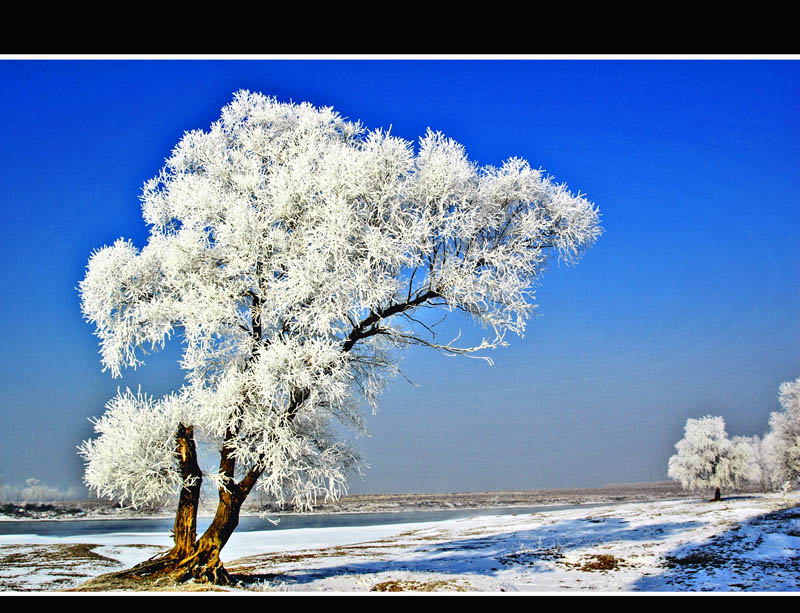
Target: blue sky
[(688, 305)]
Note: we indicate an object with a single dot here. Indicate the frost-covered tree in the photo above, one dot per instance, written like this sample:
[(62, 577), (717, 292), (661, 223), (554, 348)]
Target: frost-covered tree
[(707, 458), (296, 254), (765, 474), (785, 428)]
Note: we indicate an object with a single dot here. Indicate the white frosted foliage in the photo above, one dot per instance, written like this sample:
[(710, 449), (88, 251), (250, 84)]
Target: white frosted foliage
[(766, 471), (707, 458), (785, 430), (132, 459), (291, 251)]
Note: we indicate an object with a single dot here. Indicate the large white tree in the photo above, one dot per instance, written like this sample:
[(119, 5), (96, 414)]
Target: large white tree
[(293, 253), (707, 458), (785, 429)]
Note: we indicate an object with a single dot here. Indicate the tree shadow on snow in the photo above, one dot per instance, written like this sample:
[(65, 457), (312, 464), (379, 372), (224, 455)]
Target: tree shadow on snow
[(738, 497), (760, 554), (536, 550)]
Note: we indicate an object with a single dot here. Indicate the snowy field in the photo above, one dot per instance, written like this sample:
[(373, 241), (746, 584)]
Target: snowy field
[(744, 543)]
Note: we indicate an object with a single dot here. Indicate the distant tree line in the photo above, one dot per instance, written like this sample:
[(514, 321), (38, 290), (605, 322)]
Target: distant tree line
[(36, 491)]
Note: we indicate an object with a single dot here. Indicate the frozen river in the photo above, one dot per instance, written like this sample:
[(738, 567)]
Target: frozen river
[(80, 527)]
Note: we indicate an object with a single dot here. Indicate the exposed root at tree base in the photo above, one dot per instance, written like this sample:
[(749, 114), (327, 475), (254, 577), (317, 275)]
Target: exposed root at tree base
[(161, 574), (111, 583)]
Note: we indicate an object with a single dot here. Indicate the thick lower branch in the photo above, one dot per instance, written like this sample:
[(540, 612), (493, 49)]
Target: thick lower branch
[(365, 328)]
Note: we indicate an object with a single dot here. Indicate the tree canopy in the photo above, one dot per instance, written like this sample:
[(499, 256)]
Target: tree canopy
[(293, 252), (707, 458), (785, 429)]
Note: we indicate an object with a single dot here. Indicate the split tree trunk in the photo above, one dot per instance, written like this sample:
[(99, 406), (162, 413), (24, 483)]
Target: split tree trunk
[(201, 561), (191, 558)]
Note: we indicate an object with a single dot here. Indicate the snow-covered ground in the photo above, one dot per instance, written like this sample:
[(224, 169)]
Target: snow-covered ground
[(744, 543)]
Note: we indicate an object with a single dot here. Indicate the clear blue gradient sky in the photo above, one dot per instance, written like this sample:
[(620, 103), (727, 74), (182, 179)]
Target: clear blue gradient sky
[(688, 304)]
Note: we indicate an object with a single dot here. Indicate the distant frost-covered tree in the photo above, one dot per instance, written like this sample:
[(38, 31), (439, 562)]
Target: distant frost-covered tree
[(707, 458), (785, 428), (765, 470), (294, 252)]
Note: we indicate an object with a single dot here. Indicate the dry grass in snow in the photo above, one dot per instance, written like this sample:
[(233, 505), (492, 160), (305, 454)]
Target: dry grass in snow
[(744, 543)]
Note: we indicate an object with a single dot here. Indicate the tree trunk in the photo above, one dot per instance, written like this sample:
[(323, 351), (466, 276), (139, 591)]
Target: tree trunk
[(185, 528), (717, 496), (204, 563), (192, 558)]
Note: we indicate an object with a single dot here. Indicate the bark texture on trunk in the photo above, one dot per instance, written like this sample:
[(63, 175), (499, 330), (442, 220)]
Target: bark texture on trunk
[(201, 562), (717, 497), (192, 558), (185, 528), (204, 563)]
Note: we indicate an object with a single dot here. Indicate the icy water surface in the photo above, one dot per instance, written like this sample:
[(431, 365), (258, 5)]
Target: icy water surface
[(78, 527)]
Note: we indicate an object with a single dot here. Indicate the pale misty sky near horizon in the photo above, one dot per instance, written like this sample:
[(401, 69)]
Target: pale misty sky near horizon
[(687, 305)]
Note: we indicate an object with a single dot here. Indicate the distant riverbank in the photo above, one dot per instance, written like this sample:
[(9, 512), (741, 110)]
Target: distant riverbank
[(44, 529), (365, 503)]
